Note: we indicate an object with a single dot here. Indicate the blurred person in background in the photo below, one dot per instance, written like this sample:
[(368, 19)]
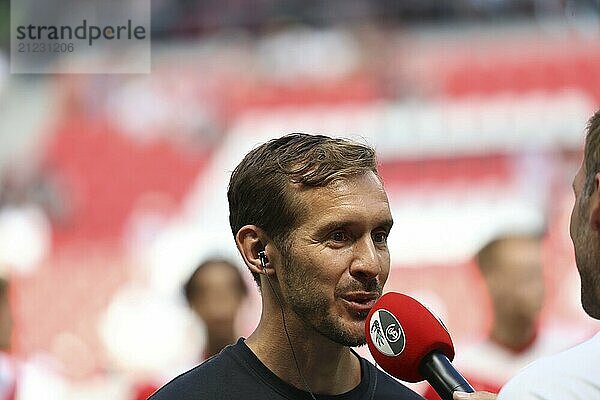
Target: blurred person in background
[(8, 366), (215, 292), (574, 374), (512, 270), (311, 219)]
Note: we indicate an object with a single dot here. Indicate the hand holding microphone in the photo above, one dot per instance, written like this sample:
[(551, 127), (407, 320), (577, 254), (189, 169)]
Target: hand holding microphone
[(474, 396), (411, 344)]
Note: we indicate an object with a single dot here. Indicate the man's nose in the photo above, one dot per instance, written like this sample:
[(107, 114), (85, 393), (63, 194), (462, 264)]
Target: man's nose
[(366, 263)]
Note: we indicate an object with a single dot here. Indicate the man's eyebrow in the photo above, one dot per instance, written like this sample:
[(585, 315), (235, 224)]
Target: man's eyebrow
[(332, 225), (336, 224), (387, 223)]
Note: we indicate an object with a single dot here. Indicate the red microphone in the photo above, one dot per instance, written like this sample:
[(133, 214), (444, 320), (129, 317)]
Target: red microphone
[(412, 344)]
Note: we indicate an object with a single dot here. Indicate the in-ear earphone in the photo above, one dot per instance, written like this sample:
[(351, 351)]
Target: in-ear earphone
[(263, 259)]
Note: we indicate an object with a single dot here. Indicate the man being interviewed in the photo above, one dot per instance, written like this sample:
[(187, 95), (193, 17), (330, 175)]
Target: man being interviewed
[(310, 218)]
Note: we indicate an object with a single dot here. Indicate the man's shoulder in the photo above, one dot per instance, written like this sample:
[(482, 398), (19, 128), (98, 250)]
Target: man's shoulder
[(527, 383), (195, 380), (209, 379), (570, 374)]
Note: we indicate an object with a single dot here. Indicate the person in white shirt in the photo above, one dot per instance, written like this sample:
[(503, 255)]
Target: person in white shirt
[(575, 373)]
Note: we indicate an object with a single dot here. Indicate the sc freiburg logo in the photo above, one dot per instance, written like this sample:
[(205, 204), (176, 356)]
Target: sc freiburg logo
[(386, 333)]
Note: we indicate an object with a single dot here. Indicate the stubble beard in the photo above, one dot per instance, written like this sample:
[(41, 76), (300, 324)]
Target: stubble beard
[(587, 254), (313, 308)]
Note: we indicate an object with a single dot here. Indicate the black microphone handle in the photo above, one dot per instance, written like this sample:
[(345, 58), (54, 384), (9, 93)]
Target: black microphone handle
[(442, 375)]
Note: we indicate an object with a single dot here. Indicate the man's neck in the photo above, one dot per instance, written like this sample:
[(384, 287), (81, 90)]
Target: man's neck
[(514, 336), (325, 366), (216, 342)]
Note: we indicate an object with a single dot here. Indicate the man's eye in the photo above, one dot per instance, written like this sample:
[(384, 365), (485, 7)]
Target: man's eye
[(339, 236), (380, 237)]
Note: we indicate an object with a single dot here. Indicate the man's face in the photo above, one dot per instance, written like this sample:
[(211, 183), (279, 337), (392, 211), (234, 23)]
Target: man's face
[(516, 281), (337, 259), (587, 249), (218, 296)]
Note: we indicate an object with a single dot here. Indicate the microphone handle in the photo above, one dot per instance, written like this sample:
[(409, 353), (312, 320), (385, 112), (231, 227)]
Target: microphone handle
[(442, 376)]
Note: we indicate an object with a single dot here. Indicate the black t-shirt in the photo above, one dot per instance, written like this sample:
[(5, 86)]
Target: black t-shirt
[(236, 373)]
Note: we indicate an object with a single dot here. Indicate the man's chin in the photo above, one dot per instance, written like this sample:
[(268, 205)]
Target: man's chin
[(354, 341), (356, 336), (590, 306), (348, 330)]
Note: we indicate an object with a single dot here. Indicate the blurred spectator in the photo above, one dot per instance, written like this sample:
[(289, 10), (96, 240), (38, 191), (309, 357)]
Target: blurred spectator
[(31, 200), (511, 267), (215, 292), (8, 370), (33, 184)]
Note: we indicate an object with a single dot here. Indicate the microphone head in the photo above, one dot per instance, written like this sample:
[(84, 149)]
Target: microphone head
[(400, 332)]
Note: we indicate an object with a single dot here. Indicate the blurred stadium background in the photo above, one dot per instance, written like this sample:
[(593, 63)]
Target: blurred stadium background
[(113, 186)]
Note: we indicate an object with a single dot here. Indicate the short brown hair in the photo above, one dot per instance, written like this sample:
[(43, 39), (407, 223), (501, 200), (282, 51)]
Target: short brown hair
[(486, 257), (260, 189), (191, 289), (592, 154)]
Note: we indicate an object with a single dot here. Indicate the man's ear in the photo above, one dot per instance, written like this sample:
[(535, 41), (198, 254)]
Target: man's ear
[(251, 240), (594, 204)]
